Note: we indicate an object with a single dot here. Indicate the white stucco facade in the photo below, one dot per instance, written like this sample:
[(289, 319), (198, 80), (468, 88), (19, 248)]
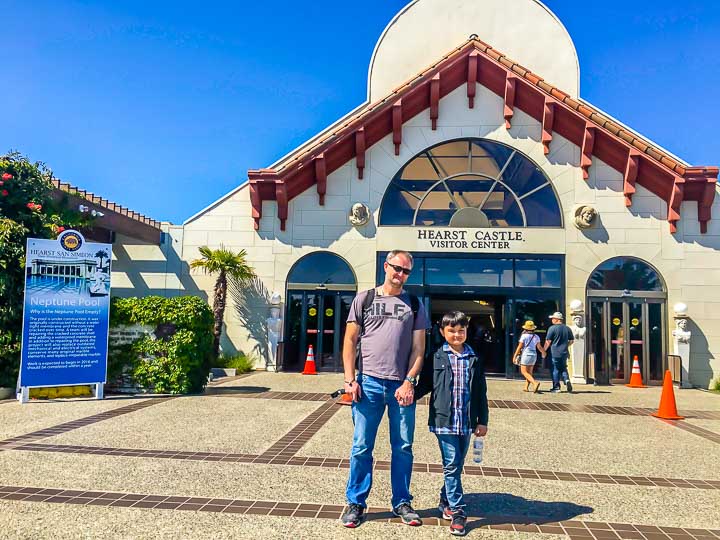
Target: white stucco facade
[(688, 261)]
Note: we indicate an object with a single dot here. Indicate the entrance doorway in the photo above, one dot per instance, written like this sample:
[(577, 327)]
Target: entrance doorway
[(320, 289), (486, 333), (316, 318), (626, 302), (622, 330)]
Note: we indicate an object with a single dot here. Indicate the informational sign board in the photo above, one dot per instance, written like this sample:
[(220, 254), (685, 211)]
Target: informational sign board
[(66, 312)]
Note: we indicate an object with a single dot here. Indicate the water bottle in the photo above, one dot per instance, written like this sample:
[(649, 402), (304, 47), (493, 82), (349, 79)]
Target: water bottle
[(478, 446)]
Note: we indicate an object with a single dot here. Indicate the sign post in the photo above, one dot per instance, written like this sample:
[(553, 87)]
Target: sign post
[(66, 314)]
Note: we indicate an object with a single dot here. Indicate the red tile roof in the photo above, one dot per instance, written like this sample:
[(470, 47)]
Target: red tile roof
[(476, 62)]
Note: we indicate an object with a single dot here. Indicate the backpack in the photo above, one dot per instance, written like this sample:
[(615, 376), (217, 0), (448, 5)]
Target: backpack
[(367, 303)]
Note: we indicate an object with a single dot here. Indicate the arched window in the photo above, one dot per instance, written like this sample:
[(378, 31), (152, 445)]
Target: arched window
[(625, 273), (321, 268), (471, 183)]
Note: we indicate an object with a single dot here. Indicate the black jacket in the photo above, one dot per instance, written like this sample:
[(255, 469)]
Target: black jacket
[(437, 379)]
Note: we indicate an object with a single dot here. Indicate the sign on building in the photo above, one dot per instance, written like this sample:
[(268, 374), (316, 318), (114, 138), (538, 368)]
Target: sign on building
[(66, 313)]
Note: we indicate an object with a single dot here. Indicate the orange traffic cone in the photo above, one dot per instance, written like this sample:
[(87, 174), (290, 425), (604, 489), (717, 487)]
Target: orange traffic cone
[(310, 363), (636, 376), (667, 409)]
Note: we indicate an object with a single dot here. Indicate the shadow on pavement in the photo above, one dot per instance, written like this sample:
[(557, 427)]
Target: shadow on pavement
[(504, 508), (236, 390)]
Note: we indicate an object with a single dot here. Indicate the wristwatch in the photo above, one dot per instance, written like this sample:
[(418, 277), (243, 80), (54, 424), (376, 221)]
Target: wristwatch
[(413, 380)]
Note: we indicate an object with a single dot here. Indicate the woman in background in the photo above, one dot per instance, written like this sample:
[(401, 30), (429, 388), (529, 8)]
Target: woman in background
[(526, 355)]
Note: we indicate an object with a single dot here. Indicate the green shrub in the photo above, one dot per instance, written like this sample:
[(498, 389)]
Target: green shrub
[(178, 364), (240, 362), (715, 385)]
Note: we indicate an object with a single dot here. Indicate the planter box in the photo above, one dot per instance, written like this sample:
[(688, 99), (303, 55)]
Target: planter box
[(223, 372)]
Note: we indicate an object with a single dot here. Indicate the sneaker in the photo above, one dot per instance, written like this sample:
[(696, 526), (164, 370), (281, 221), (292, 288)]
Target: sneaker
[(568, 385), (408, 516), (457, 527), (555, 391), (353, 516), (445, 511)]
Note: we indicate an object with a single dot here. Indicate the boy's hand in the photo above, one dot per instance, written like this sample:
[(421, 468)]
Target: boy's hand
[(405, 394), (480, 430)]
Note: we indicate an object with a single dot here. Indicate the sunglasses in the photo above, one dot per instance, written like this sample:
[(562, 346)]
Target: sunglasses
[(397, 268)]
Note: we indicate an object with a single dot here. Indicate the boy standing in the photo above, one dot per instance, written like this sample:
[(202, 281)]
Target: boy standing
[(458, 409)]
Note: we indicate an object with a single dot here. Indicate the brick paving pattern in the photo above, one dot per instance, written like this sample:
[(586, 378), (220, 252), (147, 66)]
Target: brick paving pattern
[(502, 522)]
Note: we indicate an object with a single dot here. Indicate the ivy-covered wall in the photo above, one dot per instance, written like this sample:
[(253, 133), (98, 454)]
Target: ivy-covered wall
[(175, 359)]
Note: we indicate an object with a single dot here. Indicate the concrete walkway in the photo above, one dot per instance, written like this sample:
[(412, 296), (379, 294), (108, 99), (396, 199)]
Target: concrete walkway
[(266, 455)]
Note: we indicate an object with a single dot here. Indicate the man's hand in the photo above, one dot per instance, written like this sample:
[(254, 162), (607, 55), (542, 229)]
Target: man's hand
[(405, 394), (480, 430), (353, 389)]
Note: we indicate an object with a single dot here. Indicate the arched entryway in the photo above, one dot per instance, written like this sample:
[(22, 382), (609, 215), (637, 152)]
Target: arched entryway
[(320, 289), (626, 299)]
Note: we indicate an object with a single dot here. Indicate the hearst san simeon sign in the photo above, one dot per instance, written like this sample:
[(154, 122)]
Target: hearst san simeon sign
[(467, 239)]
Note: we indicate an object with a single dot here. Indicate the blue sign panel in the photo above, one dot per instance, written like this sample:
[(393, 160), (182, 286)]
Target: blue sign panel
[(67, 309)]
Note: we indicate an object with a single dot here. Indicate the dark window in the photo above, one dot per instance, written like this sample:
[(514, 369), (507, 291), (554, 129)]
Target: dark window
[(469, 272), (537, 273), (321, 268), (471, 183), (623, 273)]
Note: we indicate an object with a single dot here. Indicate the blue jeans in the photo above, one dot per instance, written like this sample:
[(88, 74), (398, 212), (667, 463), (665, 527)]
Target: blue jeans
[(559, 368), (453, 449), (366, 414)]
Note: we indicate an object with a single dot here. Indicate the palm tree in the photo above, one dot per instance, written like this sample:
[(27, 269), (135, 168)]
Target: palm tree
[(102, 254), (224, 263)]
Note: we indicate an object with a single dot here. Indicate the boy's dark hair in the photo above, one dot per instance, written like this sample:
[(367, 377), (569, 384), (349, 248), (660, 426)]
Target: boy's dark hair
[(454, 318)]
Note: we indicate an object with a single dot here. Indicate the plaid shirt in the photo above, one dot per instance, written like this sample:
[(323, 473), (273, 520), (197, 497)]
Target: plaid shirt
[(459, 419)]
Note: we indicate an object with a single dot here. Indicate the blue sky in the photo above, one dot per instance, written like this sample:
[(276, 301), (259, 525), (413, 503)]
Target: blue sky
[(164, 106)]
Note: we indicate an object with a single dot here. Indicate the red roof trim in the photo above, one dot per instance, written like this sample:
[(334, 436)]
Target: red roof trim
[(557, 112)]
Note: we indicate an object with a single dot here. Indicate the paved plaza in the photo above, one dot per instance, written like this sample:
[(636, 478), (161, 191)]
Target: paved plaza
[(265, 455)]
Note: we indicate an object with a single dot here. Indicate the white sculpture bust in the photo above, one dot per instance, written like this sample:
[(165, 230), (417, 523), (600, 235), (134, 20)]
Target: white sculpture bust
[(578, 327), (681, 333)]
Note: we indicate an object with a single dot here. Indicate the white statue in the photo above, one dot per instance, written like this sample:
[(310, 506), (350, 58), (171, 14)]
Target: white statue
[(578, 327), (274, 329), (681, 333), (359, 214)]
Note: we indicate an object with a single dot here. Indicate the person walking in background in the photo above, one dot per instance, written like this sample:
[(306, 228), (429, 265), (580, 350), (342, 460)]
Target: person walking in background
[(526, 354), (390, 325), (458, 408), (559, 337)]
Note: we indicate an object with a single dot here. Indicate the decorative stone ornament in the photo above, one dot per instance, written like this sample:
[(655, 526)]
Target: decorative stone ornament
[(681, 342), (577, 314), (274, 331), (585, 216), (359, 215)]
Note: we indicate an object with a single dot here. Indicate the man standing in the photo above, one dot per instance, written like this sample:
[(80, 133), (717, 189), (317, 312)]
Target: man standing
[(390, 324), (559, 337)]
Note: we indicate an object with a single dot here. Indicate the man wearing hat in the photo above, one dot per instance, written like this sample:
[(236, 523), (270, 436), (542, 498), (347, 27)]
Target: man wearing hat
[(558, 338)]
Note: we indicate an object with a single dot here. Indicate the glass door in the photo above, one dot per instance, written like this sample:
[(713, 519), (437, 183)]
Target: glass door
[(598, 352), (622, 330), (618, 338)]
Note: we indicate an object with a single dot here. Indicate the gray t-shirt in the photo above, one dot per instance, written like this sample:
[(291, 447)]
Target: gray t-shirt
[(387, 343), (559, 336)]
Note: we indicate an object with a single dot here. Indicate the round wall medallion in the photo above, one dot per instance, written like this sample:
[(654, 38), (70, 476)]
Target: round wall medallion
[(359, 214), (585, 216)]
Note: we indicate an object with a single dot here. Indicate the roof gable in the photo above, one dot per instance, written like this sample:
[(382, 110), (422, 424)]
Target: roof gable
[(474, 63)]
